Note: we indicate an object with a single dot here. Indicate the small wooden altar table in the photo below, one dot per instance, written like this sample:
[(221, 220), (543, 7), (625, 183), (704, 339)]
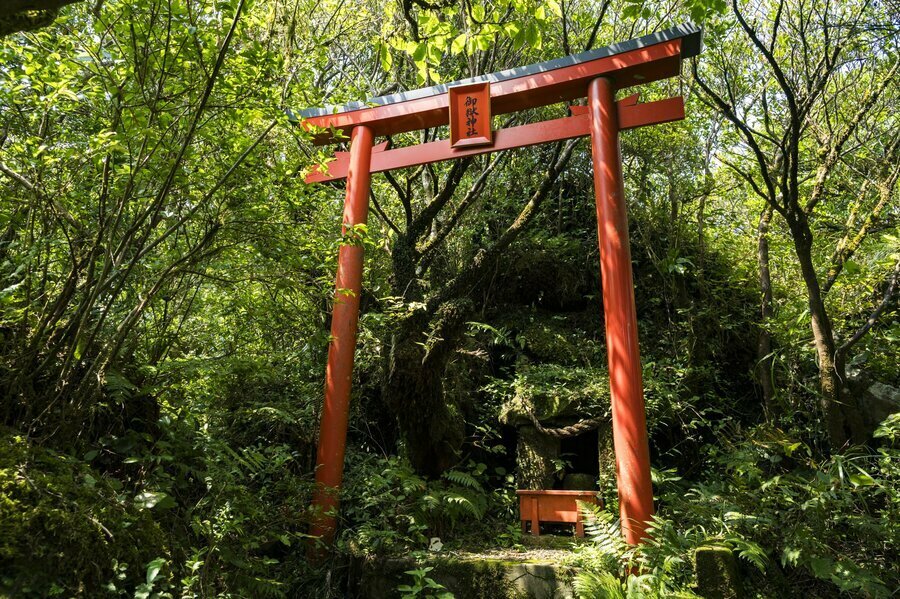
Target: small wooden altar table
[(553, 506)]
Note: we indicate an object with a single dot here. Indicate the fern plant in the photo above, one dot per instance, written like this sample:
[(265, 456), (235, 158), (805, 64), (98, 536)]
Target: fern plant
[(610, 566)]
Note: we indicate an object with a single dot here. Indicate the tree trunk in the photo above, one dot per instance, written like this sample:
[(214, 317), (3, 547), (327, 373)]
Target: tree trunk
[(764, 359), (431, 425), (840, 410)]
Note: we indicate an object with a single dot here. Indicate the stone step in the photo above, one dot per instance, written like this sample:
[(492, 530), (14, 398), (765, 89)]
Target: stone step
[(493, 575)]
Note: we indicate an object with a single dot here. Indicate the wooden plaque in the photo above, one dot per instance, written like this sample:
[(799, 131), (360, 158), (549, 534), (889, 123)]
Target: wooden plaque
[(470, 115)]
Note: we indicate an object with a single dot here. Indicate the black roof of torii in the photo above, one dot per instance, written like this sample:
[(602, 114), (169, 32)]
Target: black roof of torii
[(690, 34)]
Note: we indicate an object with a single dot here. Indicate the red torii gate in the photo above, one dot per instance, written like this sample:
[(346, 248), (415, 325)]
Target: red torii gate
[(467, 106)]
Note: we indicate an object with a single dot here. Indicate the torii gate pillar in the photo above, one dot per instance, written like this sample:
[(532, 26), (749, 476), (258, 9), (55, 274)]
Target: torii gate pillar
[(344, 323), (629, 421)]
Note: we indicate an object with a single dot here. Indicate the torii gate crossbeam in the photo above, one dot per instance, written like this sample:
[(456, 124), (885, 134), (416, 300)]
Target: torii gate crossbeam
[(597, 75)]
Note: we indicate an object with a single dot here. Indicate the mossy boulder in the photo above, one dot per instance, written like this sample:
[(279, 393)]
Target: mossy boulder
[(467, 577), (606, 473), (570, 339), (548, 343), (551, 391), (65, 529), (717, 573), (579, 481), (536, 458), (546, 271)]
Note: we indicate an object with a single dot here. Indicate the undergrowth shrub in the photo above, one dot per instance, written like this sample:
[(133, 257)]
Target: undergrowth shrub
[(387, 508), (798, 525), (68, 530)]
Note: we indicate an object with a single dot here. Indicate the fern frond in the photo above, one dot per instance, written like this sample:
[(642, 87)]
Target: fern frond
[(598, 585), (463, 479), (603, 529)]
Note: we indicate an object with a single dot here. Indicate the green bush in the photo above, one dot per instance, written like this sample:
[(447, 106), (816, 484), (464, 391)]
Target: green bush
[(389, 509), (67, 530), (824, 528)]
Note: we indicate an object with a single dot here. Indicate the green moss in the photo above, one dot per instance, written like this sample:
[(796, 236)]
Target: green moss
[(549, 271), (548, 341), (63, 527), (26, 20), (568, 339), (536, 456), (551, 391), (469, 578), (577, 481), (717, 576)]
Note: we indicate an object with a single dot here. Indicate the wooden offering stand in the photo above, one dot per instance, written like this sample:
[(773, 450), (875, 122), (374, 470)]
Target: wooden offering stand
[(553, 506)]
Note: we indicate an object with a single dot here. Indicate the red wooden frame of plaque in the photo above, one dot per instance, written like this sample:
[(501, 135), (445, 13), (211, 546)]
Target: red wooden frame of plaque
[(470, 115)]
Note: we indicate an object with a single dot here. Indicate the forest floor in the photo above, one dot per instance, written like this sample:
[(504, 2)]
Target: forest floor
[(545, 549)]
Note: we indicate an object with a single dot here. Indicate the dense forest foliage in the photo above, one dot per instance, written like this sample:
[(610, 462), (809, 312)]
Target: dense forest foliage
[(166, 280)]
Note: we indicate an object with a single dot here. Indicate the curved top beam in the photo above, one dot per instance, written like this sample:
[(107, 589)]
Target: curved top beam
[(633, 62)]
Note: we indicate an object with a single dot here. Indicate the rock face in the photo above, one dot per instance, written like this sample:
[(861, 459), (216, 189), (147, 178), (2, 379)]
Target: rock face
[(606, 457), (556, 396), (877, 401), (578, 481), (552, 393)]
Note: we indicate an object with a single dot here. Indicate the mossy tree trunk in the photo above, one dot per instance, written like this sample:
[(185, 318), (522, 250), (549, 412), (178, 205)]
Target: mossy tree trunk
[(439, 304), (430, 422)]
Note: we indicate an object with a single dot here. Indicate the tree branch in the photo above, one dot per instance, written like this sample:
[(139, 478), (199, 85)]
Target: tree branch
[(847, 247), (381, 213), (460, 284), (428, 250), (730, 114), (873, 318), (835, 151)]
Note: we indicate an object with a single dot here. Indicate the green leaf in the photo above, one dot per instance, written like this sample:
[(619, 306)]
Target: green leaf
[(458, 44), (384, 55), (483, 42), (862, 480), (555, 8), (533, 36), (821, 566), (434, 54), (153, 569), (149, 500), (790, 556)]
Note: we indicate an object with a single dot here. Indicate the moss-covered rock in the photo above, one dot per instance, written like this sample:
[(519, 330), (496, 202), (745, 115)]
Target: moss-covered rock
[(467, 577), (717, 574), (579, 481), (550, 391), (606, 477), (550, 343), (536, 458), (550, 272), (64, 528), (569, 339)]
